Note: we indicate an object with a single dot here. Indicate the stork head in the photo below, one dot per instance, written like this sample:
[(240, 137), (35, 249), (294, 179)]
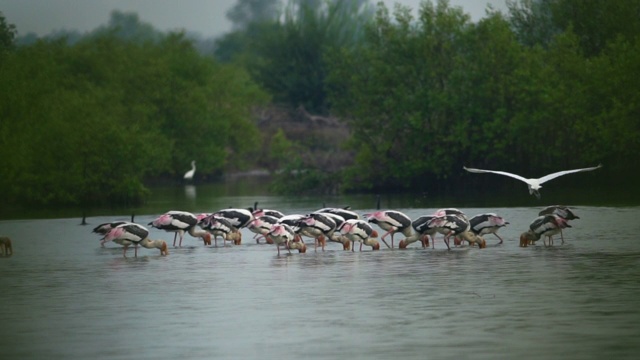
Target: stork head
[(346, 244), (374, 245), (164, 249), (206, 238)]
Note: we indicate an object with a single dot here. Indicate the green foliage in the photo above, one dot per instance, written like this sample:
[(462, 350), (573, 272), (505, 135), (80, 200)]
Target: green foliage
[(287, 56), (90, 122), (281, 148), (7, 36), (425, 97)]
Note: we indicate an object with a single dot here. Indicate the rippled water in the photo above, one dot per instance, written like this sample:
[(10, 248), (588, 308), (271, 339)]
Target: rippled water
[(64, 297)]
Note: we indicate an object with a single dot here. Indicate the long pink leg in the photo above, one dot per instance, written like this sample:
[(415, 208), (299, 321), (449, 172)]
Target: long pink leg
[(383, 236), (446, 240), (175, 236)]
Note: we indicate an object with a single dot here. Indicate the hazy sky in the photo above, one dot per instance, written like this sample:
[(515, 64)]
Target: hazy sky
[(206, 17)]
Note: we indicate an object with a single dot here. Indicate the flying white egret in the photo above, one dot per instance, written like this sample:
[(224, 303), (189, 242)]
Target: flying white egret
[(533, 184)]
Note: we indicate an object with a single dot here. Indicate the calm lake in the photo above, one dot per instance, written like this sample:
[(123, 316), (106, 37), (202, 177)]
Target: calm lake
[(65, 297)]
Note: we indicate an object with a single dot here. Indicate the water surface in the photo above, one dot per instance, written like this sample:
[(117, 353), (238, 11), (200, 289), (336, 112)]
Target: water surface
[(65, 297)]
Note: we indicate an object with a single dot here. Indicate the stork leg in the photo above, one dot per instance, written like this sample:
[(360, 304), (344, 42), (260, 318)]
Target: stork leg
[(175, 236), (383, 236), (498, 236), (124, 251), (561, 237), (446, 240)]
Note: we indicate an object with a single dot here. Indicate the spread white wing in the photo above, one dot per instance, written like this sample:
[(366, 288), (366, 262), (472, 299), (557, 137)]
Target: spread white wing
[(560, 173), (481, 171)]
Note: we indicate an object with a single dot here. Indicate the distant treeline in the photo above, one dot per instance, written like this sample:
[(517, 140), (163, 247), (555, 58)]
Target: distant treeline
[(551, 85)]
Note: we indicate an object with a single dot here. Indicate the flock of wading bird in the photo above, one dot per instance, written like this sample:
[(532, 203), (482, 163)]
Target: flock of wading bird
[(341, 225)]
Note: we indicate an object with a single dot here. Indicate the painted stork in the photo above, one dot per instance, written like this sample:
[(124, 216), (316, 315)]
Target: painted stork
[(317, 226), (335, 236), (219, 226), (359, 230), (103, 229), (6, 249), (545, 226), (391, 221), (422, 231), (534, 185), (563, 211), (238, 218), (344, 213), (128, 234), (293, 220), (454, 225), (487, 223), (267, 212), (282, 234), (179, 222), (261, 225)]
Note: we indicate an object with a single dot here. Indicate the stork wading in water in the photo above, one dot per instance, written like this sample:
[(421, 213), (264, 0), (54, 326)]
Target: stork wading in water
[(128, 234), (5, 246), (219, 226), (344, 213), (543, 226), (457, 226), (283, 234), (561, 211), (261, 226), (103, 229), (422, 232), (317, 226), (239, 218), (335, 236), (189, 174), (359, 230), (487, 223), (534, 185), (391, 221), (180, 222)]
